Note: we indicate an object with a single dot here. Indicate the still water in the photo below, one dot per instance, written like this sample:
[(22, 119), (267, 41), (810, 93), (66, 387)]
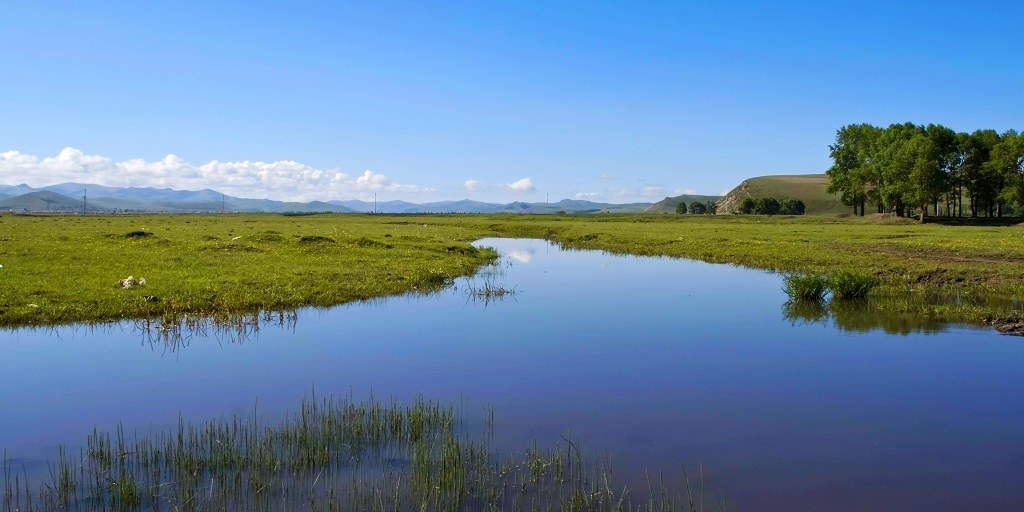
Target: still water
[(661, 363)]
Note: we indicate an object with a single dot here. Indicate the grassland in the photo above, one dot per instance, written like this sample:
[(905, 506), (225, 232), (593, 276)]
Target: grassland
[(66, 268)]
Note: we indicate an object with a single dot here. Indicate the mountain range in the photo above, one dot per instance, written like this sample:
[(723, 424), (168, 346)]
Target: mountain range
[(80, 197)]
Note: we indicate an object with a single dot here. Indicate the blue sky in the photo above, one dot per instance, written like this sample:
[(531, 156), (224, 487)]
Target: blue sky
[(493, 101)]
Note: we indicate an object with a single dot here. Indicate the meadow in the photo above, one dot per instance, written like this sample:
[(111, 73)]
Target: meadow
[(74, 268)]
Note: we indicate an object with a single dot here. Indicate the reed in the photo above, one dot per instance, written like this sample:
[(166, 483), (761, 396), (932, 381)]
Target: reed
[(849, 285), (805, 287), (330, 455)]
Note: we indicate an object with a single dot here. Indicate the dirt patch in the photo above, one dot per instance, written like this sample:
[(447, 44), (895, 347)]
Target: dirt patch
[(1011, 326)]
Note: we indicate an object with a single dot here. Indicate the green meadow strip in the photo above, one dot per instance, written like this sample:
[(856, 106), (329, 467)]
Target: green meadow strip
[(84, 268)]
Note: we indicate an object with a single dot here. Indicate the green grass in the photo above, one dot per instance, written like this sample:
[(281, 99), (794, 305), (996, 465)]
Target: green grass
[(850, 285), (65, 268), (330, 455), (808, 287)]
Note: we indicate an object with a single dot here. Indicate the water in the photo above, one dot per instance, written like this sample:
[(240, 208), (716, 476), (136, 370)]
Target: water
[(662, 363)]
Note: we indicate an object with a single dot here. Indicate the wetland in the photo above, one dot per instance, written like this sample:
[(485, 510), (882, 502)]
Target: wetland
[(651, 364)]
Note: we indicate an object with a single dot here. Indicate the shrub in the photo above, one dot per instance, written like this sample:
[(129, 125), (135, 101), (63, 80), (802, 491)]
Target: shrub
[(792, 207), (848, 285), (810, 287)]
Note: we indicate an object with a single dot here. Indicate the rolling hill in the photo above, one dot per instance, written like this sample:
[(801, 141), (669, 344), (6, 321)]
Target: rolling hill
[(809, 188), (668, 205)]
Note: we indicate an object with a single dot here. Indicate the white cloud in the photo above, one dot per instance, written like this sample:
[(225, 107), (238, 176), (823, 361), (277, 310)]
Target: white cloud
[(590, 196), (523, 185), (472, 185), (652, 190), (283, 180)]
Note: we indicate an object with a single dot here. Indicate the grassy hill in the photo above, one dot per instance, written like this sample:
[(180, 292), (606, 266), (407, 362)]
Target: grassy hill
[(668, 205), (809, 188), (42, 201)]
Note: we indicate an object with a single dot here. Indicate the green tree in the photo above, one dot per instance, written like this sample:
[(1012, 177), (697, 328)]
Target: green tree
[(710, 208), (681, 207), (893, 164), (791, 207), (926, 178), (698, 208), (983, 185), (852, 174), (766, 206), (747, 206), (947, 157), (1007, 158)]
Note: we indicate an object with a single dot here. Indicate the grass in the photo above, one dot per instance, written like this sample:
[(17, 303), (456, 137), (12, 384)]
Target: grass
[(806, 287), (850, 285), (64, 268), (331, 455)]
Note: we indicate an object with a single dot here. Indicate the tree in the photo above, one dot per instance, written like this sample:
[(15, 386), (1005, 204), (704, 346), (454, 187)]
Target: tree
[(747, 206), (852, 173), (926, 177), (698, 207), (947, 158), (766, 206), (681, 207), (710, 208), (792, 207), (893, 163), (983, 185), (1007, 158)]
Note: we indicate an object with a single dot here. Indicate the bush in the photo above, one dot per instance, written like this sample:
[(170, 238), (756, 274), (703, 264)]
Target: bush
[(847, 285), (771, 206), (747, 206), (810, 287), (791, 207)]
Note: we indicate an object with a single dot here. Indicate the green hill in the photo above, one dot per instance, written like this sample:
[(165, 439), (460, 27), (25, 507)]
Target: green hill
[(668, 205), (42, 201), (809, 188)]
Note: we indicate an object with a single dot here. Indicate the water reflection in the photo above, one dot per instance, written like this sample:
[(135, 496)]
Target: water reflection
[(173, 334), (858, 316)]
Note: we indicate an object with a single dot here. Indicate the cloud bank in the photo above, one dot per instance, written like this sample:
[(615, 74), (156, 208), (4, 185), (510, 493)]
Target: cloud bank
[(284, 180)]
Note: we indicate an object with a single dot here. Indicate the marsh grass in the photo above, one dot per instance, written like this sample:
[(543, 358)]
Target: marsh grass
[(330, 455), (850, 285), (805, 287)]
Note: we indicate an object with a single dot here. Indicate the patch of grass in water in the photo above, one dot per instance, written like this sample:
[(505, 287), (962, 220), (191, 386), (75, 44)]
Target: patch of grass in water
[(330, 455), (805, 287), (849, 285)]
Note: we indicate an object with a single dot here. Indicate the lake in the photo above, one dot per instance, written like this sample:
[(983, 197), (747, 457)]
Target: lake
[(661, 363)]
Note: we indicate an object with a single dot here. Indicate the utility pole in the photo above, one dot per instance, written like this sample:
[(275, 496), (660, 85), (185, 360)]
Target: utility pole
[(374, 202), (85, 201), (222, 203)]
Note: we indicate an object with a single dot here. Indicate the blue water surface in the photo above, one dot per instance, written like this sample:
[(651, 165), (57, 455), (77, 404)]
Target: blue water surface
[(660, 363)]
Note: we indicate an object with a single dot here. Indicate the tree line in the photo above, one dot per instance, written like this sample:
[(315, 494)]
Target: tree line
[(772, 206), (907, 166), (697, 207)]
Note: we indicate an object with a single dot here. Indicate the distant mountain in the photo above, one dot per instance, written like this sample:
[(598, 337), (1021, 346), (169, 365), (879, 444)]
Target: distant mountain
[(668, 205), (73, 196), (42, 201), (100, 198), (809, 188)]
